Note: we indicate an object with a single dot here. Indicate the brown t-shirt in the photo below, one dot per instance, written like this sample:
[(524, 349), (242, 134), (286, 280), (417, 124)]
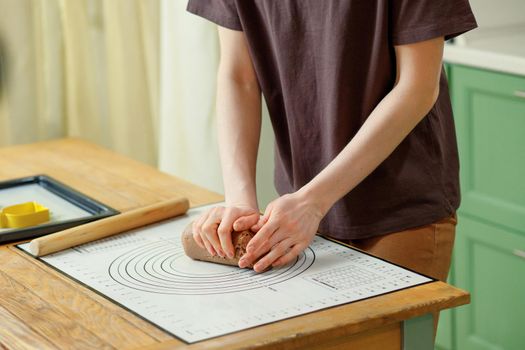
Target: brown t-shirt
[(323, 66)]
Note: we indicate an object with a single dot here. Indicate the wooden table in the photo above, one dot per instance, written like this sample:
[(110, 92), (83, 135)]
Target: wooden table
[(40, 308)]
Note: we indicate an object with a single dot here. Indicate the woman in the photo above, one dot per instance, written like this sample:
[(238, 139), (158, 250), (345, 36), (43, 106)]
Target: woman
[(365, 143)]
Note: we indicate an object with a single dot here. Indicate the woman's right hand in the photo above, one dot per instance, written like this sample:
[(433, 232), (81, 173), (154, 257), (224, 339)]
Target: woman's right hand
[(214, 228)]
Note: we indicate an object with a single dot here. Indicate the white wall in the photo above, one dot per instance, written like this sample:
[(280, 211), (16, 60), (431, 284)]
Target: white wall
[(496, 13)]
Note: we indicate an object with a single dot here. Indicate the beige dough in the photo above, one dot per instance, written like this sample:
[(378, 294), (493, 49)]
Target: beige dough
[(193, 250)]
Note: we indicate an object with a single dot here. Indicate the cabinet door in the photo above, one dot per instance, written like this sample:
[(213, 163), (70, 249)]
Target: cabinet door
[(489, 112), (490, 263)]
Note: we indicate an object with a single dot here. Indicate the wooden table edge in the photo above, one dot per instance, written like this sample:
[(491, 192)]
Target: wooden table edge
[(316, 332)]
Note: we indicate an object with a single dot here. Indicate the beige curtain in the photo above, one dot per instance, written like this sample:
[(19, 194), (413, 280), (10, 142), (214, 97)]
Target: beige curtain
[(189, 58), (84, 68), (92, 69)]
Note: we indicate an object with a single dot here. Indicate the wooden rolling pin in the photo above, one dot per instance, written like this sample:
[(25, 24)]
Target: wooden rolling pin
[(108, 226)]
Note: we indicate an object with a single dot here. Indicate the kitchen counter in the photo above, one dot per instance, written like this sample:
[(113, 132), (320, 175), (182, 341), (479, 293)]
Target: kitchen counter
[(499, 49)]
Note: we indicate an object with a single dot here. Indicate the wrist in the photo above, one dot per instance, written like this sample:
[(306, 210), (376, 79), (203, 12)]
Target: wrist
[(241, 201), (314, 196), (240, 194)]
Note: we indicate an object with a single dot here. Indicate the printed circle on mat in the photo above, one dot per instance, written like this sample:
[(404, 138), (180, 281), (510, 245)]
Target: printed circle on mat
[(162, 267)]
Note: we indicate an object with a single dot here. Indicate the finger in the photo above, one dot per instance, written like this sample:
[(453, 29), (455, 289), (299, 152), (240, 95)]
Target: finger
[(262, 220), (197, 224), (224, 231), (209, 228), (208, 246), (197, 238), (278, 236), (275, 253), (262, 236), (245, 222), (197, 228), (290, 255), (264, 245)]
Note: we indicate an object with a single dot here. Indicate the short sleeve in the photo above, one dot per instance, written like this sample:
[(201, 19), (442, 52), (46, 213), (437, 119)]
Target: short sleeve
[(419, 20), (221, 12)]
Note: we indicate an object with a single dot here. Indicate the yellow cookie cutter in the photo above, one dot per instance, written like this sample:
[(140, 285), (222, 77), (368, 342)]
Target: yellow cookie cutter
[(23, 215)]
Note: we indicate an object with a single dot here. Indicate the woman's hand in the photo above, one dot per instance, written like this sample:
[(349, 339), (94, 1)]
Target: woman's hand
[(213, 229), (287, 228)]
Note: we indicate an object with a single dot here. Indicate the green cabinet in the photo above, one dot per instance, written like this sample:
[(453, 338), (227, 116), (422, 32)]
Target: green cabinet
[(490, 263), (490, 121), (489, 255)]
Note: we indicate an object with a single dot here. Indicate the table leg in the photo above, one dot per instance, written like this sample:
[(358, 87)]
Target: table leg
[(418, 333)]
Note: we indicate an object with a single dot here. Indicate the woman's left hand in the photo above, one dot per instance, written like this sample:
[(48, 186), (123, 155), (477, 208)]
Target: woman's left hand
[(287, 227)]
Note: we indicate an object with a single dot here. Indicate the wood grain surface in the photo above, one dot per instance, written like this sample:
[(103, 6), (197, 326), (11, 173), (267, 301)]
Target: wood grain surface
[(42, 309)]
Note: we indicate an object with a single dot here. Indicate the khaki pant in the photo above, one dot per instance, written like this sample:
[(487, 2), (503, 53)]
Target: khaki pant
[(426, 249)]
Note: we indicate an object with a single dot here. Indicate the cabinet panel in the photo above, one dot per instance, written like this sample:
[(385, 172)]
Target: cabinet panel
[(490, 120), (490, 263)]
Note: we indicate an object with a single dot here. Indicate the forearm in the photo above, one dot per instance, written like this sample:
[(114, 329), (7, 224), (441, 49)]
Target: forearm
[(239, 126), (390, 122), (291, 221)]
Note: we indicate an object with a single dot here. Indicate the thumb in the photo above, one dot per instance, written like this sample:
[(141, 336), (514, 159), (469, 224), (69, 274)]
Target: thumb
[(257, 226), (263, 218), (245, 222)]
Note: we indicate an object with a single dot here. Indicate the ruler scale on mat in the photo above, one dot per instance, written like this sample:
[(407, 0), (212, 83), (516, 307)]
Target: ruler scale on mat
[(147, 272)]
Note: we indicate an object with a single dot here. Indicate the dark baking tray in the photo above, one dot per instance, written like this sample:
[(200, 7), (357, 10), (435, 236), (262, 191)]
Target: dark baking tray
[(96, 209)]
